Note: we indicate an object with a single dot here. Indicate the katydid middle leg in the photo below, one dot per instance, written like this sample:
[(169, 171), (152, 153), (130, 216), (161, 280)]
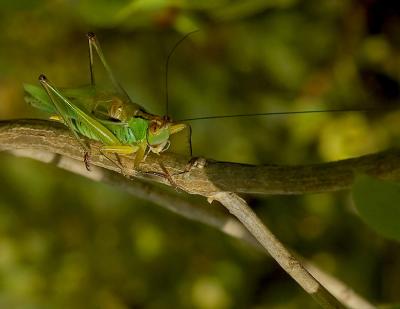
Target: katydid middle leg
[(139, 151), (117, 162)]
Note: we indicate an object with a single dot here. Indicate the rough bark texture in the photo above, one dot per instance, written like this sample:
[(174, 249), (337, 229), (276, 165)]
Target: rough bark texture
[(214, 176)]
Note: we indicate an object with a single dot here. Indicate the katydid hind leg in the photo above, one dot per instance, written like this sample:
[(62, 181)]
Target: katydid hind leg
[(94, 44), (65, 117), (68, 111), (83, 121), (91, 60)]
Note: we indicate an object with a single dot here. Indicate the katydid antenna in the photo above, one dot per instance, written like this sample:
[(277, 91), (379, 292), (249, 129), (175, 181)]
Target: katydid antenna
[(167, 66)]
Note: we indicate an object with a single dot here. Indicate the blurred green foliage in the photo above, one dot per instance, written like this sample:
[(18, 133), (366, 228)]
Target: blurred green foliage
[(377, 203), (67, 242)]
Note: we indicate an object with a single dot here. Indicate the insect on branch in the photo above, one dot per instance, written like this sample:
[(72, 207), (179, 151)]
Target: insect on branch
[(210, 177), (207, 179)]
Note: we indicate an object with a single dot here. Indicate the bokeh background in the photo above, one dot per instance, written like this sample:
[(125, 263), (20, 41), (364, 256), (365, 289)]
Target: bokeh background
[(66, 242)]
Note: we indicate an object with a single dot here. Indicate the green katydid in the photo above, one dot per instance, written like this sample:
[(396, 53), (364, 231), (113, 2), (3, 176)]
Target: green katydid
[(113, 119), (122, 126)]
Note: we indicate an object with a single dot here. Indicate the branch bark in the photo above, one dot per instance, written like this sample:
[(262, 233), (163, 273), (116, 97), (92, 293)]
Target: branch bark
[(214, 176), (218, 180)]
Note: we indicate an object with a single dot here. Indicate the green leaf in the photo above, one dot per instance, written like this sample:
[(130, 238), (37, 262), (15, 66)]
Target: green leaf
[(378, 204)]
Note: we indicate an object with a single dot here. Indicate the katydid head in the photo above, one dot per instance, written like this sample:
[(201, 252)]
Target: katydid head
[(159, 132)]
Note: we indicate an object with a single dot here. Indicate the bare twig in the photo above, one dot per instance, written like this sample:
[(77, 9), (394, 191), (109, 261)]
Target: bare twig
[(343, 293), (239, 208), (216, 178)]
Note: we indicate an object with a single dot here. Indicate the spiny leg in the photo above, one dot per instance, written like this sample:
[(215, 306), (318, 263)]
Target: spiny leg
[(91, 61), (94, 43), (67, 121)]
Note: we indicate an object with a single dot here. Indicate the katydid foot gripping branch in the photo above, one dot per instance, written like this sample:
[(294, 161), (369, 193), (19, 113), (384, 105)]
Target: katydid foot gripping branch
[(124, 128)]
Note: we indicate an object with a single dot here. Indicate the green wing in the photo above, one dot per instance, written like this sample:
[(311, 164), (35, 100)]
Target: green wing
[(38, 98), (83, 122), (83, 97)]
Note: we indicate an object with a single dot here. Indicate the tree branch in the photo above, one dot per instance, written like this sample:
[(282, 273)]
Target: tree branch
[(211, 216), (214, 179), (215, 176)]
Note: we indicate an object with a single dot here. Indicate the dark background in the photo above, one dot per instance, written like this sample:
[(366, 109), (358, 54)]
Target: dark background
[(68, 242)]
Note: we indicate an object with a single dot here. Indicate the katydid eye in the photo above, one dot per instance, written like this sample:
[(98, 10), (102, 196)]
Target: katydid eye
[(153, 127)]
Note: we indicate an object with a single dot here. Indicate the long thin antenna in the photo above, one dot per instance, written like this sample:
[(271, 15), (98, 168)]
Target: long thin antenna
[(371, 109), (167, 65)]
